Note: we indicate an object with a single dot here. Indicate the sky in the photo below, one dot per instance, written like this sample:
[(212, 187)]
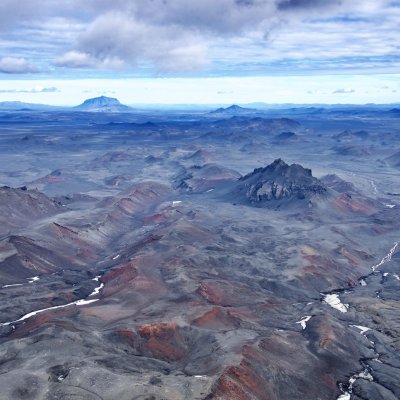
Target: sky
[(207, 52)]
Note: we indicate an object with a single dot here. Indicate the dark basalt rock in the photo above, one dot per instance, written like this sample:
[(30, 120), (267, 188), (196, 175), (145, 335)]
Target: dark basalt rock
[(279, 181)]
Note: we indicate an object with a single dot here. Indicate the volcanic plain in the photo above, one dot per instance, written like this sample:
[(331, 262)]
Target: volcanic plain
[(231, 255)]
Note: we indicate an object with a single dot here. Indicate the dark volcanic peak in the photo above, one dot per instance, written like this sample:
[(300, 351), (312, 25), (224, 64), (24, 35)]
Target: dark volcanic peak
[(279, 181), (102, 103)]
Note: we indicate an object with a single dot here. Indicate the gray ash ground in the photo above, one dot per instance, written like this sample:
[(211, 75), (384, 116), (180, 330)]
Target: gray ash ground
[(168, 256)]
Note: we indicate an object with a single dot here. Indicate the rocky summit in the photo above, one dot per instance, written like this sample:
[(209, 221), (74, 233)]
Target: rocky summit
[(279, 181)]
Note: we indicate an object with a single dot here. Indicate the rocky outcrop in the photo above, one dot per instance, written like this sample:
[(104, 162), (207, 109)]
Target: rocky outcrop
[(199, 179), (279, 182)]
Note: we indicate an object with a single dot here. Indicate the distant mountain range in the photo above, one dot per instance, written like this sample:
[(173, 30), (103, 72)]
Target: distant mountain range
[(112, 105), (96, 104)]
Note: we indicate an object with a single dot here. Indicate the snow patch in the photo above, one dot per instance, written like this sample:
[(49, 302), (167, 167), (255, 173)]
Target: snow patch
[(84, 302), (33, 313), (387, 258), (13, 285), (346, 395), (30, 280), (363, 329), (334, 301), (97, 290), (304, 321)]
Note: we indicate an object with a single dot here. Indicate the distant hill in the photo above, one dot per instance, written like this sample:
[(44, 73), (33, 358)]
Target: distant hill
[(350, 135), (349, 150), (233, 110), (394, 160), (286, 137), (20, 106), (394, 112), (103, 104)]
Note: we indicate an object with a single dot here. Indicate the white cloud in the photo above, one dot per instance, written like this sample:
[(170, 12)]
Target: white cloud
[(13, 65), (116, 41), (75, 59)]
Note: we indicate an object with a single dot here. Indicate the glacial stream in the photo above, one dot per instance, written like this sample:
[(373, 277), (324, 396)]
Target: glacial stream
[(333, 300)]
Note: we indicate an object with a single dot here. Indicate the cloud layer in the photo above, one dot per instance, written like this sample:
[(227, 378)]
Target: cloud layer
[(222, 37), (36, 89)]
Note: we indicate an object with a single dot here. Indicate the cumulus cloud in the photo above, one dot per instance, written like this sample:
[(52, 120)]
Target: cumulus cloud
[(75, 59), (13, 65), (116, 41)]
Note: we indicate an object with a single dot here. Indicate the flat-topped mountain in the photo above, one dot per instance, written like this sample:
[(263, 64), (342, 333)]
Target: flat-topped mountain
[(103, 104), (278, 182)]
